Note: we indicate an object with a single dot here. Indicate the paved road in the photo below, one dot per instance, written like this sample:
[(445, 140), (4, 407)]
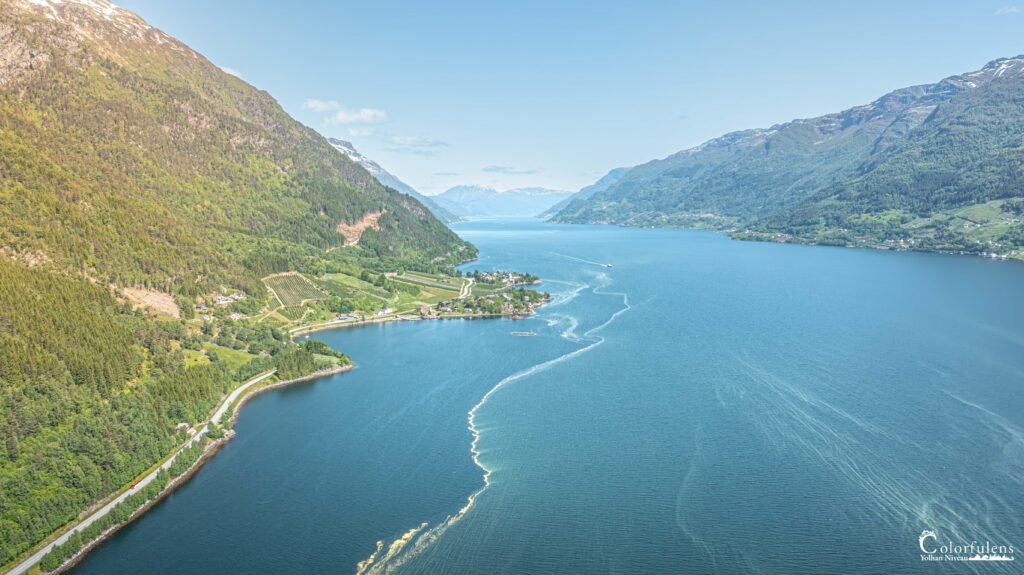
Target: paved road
[(36, 557), (465, 288)]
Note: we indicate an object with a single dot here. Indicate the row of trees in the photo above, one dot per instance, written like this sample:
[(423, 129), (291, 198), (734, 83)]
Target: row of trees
[(124, 510)]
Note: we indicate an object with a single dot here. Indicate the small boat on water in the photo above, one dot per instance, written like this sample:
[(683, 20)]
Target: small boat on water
[(523, 333), (607, 265)]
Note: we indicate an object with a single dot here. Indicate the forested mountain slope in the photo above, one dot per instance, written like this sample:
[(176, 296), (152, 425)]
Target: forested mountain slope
[(129, 157), (128, 160), (900, 171), (955, 183), (606, 181)]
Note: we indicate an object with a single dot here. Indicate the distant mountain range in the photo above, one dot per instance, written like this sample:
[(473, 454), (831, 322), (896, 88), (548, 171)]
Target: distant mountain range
[(480, 201), (933, 167), (388, 179)]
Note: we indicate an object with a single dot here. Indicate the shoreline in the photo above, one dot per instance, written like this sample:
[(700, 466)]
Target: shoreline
[(799, 241), (301, 331), (240, 403), (209, 451), (213, 446), (733, 234)]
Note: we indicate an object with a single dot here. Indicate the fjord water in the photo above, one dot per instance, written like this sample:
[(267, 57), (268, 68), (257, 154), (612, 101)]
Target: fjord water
[(704, 406)]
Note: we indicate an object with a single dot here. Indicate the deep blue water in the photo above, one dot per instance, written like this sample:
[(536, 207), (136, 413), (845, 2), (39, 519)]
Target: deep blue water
[(704, 406)]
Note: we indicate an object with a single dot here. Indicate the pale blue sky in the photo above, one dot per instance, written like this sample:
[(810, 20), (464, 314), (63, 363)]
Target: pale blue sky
[(554, 93)]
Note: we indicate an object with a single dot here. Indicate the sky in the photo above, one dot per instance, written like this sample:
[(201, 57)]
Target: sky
[(556, 93)]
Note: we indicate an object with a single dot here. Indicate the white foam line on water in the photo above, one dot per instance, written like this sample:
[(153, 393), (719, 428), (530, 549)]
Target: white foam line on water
[(562, 298), (418, 539)]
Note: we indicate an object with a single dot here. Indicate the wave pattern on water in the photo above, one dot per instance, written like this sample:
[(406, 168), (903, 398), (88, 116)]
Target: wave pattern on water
[(412, 543), (794, 417)]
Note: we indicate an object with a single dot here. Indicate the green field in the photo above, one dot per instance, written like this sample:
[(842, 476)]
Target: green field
[(193, 357), (293, 289), (292, 313), (440, 282), (232, 358), (366, 297), (480, 290), (370, 298)]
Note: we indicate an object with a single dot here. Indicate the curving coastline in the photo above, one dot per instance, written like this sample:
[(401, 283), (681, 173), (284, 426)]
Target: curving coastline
[(234, 406), (209, 450), (240, 403)]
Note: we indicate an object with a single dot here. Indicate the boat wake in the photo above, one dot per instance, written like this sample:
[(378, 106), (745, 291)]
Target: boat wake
[(387, 558), (581, 260)]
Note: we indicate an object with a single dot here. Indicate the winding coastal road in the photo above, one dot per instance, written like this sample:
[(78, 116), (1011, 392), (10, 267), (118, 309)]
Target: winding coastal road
[(30, 561)]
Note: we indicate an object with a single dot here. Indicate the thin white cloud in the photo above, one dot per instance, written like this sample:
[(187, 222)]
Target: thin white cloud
[(360, 116), (343, 115), (508, 170), (360, 132), (322, 105), (417, 142), (1008, 9), (415, 145), (233, 72), (425, 152)]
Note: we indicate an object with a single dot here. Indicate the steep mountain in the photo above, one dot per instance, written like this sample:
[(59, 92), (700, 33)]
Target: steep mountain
[(606, 181), (480, 201), (156, 167), (954, 183), (132, 169), (390, 180), (931, 148)]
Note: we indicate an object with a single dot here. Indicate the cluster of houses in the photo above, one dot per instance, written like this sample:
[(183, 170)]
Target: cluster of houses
[(507, 278), (222, 300), (441, 307)]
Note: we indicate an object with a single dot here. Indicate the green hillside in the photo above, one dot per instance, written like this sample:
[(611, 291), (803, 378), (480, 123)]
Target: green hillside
[(137, 161), (955, 183), (128, 161), (899, 172)]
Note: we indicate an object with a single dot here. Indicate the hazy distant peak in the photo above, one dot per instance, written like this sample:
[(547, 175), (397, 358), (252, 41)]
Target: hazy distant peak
[(536, 191), (475, 200)]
